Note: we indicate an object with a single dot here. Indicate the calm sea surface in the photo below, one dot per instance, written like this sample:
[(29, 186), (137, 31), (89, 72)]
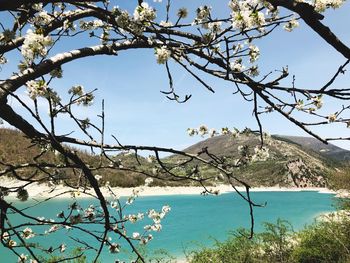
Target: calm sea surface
[(194, 221)]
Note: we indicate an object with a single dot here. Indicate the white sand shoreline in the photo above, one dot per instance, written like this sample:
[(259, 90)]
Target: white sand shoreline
[(45, 191)]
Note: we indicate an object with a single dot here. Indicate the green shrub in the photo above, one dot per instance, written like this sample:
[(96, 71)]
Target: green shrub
[(324, 241)]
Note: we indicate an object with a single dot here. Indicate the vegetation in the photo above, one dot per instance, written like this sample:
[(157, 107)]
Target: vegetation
[(271, 172), (325, 241), (12, 143), (340, 179)]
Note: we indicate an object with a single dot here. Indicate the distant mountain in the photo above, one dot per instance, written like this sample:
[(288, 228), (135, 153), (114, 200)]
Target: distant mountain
[(289, 164), (293, 161), (309, 143)]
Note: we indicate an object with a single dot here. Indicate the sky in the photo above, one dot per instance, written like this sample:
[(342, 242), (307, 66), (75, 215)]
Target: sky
[(138, 113)]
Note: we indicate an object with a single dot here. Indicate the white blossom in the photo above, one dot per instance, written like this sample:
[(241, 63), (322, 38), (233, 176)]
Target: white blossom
[(156, 227), (166, 209), (36, 88), (192, 132), (225, 131), (42, 19), (98, 177), (27, 233), (114, 248), (165, 24), (144, 12), (136, 235), (322, 5), (12, 243), (34, 45), (289, 26), (317, 101), (62, 248), (203, 12), (212, 132), (332, 117), (214, 27), (162, 54), (254, 53), (5, 236), (246, 14), (203, 130), (90, 25), (123, 19), (22, 258), (145, 240), (237, 66)]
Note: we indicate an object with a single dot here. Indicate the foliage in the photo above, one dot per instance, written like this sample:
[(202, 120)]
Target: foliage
[(340, 179), (323, 241)]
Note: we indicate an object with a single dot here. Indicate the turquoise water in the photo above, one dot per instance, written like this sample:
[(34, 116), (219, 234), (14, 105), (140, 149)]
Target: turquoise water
[(195, 220)]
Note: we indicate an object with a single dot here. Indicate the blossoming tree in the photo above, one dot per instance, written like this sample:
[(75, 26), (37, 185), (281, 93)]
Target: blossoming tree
[(199, 43)]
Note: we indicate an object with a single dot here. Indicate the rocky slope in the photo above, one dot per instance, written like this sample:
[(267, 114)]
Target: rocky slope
[(289, 164)]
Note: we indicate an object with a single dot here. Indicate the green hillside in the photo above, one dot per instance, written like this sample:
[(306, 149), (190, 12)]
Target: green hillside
[(289, 164)]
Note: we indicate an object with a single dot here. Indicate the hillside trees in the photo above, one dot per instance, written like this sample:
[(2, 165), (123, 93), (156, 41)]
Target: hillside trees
[(36, 32)]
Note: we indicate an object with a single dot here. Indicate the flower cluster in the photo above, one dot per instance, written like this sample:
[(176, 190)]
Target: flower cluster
[(246, 14), (165, 24), (322, 5), (34, 45), (237, 66), (42, 19), (203, 14), (90, 25), (156, 226), (85, 99), (90, 213), (22, 258), (28, 233), (290, 25), (114, 248), (162, 54), (203, 130), (36, 88), (254, 53), (133, 218), (332, 117), (317, 101), (214, 27), (144, 13)]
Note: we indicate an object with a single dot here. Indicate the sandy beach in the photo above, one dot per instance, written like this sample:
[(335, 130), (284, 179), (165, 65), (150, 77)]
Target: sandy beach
[(44, 191)]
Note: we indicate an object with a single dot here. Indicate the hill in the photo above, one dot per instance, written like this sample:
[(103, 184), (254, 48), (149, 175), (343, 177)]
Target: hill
[(15, 149), (289, 163), (328, 150), (292, 161)]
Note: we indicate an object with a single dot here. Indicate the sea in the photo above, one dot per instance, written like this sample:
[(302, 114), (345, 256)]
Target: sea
[(194, 221)]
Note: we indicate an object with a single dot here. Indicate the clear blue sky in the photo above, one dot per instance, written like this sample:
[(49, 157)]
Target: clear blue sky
[(137, 113)]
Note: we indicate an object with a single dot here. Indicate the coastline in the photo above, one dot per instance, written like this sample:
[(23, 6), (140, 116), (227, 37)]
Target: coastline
[(45, 191)]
